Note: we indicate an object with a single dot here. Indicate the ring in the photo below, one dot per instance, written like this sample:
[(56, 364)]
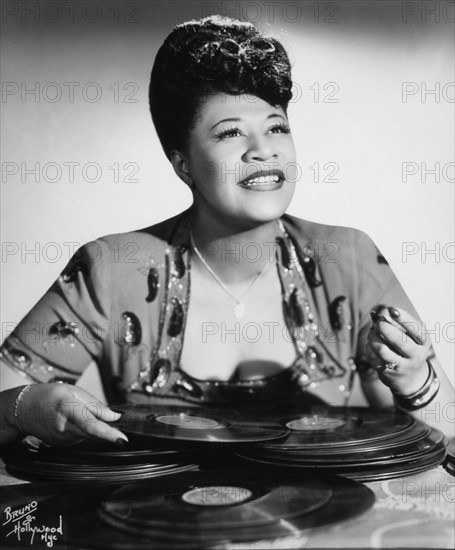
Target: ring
[(391, 366)]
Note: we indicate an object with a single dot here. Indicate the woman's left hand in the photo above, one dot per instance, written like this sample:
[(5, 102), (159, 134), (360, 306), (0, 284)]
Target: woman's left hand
[(400, 345)]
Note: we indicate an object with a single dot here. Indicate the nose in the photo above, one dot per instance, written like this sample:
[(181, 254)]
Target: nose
[(260, 148)]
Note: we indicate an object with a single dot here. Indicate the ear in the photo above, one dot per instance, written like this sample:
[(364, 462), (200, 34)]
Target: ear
[(180, 164)]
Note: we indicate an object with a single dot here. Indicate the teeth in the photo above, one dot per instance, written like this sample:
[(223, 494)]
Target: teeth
[(262, 180)]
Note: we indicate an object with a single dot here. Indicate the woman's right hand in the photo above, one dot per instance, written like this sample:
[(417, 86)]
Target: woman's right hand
[(62, 414)]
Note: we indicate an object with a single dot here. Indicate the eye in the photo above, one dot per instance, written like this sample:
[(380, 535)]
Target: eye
[(230, 132), (280, 128)]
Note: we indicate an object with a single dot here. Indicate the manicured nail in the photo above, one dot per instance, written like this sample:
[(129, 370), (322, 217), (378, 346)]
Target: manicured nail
[(374, 316), (121, 442), (394, 312)]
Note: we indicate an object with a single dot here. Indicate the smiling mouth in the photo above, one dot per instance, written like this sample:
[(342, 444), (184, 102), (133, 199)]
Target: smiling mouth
[(263, 181)]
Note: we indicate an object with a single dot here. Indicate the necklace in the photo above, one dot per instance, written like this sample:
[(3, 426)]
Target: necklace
[(239, 308)]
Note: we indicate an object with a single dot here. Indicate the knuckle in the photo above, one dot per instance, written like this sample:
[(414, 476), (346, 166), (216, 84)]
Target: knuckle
[(60, 426)]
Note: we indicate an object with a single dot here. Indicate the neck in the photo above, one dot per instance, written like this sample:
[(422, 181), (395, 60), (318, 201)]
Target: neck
[(234, 252)]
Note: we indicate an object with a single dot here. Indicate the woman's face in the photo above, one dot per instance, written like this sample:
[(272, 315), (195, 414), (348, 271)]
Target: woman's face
[(241, 158)]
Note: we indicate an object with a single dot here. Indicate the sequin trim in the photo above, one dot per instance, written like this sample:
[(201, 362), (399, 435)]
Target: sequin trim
[(162, 375)]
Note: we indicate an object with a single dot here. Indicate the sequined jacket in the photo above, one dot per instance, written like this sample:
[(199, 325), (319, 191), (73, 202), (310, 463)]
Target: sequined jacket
[(122, 302)]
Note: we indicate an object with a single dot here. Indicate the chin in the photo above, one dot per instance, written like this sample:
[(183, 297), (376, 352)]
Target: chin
[(264, 214)]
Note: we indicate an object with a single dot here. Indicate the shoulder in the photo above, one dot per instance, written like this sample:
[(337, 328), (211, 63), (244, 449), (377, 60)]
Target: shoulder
[(314, 235), (133, 246), (160, 234)]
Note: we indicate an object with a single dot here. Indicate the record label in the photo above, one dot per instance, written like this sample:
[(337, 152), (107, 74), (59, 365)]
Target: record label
[(328, 426), (217, 496), (184, 423), (315, 423), (188, 422), (215, 506)]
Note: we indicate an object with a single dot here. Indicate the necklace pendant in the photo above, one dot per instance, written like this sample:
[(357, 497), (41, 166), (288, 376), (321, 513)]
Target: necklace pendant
[(239, 310)]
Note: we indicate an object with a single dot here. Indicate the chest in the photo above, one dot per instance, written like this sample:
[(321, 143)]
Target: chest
[(220, 345)]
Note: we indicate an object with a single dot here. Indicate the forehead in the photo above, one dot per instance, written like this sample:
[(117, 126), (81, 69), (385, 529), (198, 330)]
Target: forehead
[(245, 107)]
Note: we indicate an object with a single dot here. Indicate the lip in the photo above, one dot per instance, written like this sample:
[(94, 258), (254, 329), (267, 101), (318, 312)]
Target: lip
[(261, 187)]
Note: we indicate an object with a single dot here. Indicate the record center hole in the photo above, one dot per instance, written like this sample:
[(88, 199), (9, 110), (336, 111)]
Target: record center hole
[(183, 420), (315, 423), (217, 495)]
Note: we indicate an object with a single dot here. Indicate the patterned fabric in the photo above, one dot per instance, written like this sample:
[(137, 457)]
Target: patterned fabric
[(122, 301)]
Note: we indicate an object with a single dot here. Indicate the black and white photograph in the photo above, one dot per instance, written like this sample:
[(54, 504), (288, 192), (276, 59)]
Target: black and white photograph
[(227, 274)]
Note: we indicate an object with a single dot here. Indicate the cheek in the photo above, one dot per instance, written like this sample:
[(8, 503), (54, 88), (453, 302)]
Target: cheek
[(200, 165), (289, 149)]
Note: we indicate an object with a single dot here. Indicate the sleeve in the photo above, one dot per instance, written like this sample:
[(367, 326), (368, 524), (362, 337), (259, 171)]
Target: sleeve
[(65, 331), (378, 287)]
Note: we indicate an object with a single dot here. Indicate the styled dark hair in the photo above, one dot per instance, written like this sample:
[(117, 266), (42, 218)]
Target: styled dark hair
[(201, 58)]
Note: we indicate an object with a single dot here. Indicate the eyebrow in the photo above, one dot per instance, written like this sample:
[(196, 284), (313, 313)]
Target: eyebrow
[(237, 119)]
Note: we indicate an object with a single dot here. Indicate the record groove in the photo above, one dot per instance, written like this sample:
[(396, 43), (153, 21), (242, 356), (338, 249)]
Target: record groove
[(197, 424), (261, 505)]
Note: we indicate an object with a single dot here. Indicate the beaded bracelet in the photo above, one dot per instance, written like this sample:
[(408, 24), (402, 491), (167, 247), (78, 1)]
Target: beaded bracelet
[(19, 397), (422, 397)]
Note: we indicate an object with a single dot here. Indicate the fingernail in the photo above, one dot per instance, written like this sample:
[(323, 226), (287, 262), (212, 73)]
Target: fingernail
[(374, 316), (394, 312), (384, 319), (121, 442)]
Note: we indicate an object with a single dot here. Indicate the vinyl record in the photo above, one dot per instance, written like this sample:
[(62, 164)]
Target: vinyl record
[(356, 455), (83, 528), (220, 506), (196, 424), (338, 425), (418, 432), (449, 463), (396, 471), (138, 449), (361, 470), (451, 451), (100, 463), (34, 473)]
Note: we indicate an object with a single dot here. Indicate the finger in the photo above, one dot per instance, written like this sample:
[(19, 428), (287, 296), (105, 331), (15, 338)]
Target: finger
[(396, 339), (382, 352), (92, 426), (412, 326), (102, 412), (72, 436), (63, 435), (96, 407), (392, 337), (384, 315)]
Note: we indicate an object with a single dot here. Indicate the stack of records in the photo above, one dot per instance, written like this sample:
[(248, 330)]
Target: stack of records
[(359, 443), (163, 440), (96, 462), (450, 459)]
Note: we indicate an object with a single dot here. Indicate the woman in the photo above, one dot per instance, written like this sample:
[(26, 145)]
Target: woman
[(167, 312)]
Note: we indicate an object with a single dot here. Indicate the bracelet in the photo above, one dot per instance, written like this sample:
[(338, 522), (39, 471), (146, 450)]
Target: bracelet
[(422, 397), (19, 397)]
